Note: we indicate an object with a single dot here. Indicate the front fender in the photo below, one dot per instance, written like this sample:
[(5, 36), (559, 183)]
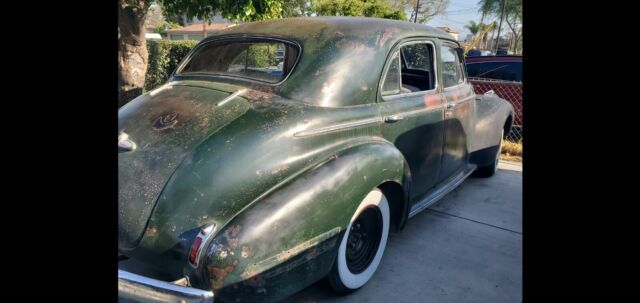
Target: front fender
[(287, 240), (491, 114)]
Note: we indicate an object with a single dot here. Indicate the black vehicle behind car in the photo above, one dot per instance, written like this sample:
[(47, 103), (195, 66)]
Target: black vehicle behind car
[(495, 67)]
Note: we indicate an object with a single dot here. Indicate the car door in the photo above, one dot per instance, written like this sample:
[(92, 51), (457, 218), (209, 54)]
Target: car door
[(413, 111), (460, 106)]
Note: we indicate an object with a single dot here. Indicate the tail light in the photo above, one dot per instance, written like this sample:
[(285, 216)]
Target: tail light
[(199, 244)]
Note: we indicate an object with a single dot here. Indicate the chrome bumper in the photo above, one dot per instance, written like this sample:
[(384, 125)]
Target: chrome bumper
[(142, 289)]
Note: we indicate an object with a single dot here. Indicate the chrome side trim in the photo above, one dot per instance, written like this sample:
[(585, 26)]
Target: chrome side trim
[(230, 97), (142, 289), (441, 192), (457, 86), (406, 95), (338, 127), (422, 110), (465, 99)]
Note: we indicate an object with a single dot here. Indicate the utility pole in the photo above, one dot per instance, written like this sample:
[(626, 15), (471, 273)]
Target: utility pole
[(504, 3), (415, 18)]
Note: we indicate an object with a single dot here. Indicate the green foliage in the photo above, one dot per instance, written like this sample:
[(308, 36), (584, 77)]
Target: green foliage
[(365, 8), (162, 28), (244, 10), (296, 8), (261, 55), (164, 56)]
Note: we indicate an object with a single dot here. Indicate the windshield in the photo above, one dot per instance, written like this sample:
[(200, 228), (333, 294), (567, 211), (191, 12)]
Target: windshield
[(263, 60)]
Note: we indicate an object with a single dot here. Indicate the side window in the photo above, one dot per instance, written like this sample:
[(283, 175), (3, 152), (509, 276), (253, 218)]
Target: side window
[(391, 84), (410, 70), (451, 67)]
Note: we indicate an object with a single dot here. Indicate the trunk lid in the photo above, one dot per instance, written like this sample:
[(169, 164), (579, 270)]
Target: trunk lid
[(156, 132)]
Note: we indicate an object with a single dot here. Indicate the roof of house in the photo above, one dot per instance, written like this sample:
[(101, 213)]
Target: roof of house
[(197, 28)]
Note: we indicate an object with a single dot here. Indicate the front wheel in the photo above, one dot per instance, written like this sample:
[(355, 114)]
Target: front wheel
[(362, 245)]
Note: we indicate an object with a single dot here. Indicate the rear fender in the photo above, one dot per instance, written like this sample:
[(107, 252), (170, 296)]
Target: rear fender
[(296, 229)]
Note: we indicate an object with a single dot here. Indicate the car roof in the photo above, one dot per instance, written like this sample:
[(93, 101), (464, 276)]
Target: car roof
[(334, 49), (303, 27)]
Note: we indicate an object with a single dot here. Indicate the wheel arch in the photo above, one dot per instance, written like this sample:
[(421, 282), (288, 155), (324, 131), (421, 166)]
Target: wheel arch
[(397, 194), (508, 123)]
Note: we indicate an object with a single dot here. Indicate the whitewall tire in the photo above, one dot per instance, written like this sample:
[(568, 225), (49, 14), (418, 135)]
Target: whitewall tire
[(362, 244)]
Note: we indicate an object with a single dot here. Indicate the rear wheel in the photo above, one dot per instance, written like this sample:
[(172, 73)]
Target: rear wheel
[(362, 245), (490, 170)]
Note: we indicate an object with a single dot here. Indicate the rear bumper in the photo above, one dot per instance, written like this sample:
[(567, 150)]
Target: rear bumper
[(139, 288)]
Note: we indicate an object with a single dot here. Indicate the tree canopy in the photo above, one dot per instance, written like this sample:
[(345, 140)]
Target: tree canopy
[(366, 8), (244, 10)]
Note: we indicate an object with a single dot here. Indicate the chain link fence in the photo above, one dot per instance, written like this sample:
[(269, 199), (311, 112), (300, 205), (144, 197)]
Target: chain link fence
[(508, 90)]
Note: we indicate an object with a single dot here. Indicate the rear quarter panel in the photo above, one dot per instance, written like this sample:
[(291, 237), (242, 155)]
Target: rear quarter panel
[(288, 239)]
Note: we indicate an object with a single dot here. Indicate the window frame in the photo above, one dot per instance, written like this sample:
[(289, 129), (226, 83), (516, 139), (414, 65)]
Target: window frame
[(238, 39), (434, 64), (463, 71)]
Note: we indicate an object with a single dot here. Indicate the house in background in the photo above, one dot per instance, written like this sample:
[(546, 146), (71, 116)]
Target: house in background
[(152, 36), (195, 31), (450, 31)]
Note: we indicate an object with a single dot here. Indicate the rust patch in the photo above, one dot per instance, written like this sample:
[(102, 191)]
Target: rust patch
[(431, 100), (233, 231), (246, 251), (279, 169), (218, 275), (231, 235), (233, 243), (386, 35), (255, 95), (152, 232)]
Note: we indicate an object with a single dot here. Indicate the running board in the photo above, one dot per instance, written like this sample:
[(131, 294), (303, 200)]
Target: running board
[(441, 191)]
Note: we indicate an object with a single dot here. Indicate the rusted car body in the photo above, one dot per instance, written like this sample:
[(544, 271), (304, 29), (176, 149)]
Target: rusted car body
[(242, 188)]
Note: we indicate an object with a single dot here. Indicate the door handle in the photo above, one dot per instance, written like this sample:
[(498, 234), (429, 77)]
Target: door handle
[(451, 105), (392, 119)]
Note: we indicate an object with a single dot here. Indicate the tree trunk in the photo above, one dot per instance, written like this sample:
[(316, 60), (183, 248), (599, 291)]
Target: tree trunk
[(514, 32), (483, 41), (132, 50), (504, 2)]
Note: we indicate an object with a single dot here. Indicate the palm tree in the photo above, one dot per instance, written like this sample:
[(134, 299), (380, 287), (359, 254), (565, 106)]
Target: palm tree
[(474, 27)]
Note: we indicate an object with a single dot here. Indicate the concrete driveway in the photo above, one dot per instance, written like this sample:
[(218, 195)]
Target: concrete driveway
[(466, 248)]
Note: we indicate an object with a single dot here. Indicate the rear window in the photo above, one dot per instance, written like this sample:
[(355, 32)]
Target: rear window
[(262, 60)]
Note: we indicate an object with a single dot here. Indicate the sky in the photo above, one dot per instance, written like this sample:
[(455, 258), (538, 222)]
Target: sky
[(457, 15)]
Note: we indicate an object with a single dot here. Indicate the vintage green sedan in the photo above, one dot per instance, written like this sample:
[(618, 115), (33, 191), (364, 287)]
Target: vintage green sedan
[(282, 152)]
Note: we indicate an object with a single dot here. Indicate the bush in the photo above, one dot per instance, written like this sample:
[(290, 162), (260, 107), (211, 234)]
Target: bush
[(164, 57), (262, 55)]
